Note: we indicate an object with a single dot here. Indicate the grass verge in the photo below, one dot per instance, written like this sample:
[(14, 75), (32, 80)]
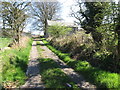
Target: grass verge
[(52, 75), (101, 78), (14, 63), (4, 42)]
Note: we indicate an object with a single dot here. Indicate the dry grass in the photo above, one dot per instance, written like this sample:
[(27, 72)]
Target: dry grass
[(73, 44), (22, 44)]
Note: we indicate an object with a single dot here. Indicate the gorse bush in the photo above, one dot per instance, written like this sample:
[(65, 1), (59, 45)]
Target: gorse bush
[(101, 78), (15, 64)]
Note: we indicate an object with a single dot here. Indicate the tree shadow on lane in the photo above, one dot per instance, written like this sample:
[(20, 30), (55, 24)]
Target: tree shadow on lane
[(52, 75)]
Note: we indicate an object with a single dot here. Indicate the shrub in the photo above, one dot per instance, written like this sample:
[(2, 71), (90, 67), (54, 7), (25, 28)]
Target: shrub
[(77, 44), (57, 30), (82, 65)]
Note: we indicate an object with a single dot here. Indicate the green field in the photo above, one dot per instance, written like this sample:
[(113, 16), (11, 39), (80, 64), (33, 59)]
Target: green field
[(4, 42)]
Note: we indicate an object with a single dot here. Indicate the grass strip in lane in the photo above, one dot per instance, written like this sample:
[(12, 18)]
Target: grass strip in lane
[(101, 78), (52, 75)]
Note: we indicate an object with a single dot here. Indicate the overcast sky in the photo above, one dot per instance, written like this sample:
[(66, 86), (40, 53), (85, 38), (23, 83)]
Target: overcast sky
[(65, 14)]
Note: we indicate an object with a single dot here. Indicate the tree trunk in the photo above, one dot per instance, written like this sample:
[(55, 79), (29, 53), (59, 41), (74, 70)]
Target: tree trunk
[(18, 37), (45, 29), (3, 23), (118, 46), (97, 37), (117, 29)]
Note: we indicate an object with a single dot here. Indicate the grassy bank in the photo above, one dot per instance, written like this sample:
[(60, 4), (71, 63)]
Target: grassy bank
[(101, 78), (4, 42), (14, 65), (52, 75)]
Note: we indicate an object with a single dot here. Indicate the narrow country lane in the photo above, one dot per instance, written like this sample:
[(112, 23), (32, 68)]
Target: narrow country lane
[(78, 79), (34, 78)]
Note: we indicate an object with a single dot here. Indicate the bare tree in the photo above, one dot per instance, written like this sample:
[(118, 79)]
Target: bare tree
[(14, 17), (44, 11)]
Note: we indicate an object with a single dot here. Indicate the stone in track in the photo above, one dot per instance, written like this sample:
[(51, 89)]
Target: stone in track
[(75, 77), (34, 78)]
